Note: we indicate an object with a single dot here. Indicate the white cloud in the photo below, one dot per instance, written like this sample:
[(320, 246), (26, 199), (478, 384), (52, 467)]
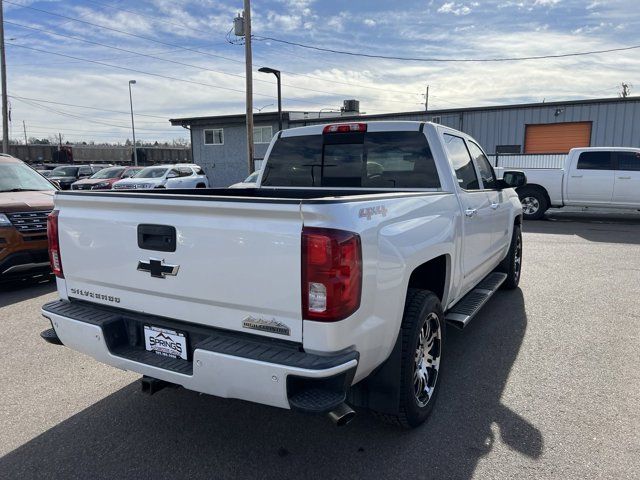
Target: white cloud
[(369, 22), (455, 8)]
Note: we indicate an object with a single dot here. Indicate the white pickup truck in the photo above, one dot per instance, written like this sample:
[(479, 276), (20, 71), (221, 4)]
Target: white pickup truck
[(328, 283), (591, 177)]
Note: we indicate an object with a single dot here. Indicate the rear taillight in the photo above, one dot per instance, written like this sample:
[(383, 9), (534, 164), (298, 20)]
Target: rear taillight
[(331, 274), (345, 128), (54, 244)]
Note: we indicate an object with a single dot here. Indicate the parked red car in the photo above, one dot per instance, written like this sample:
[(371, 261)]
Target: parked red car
[(105, 178)]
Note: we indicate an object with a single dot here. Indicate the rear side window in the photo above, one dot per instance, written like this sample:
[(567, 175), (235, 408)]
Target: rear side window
[(461, 161), (629, 161), (595, 161), (369, 160)]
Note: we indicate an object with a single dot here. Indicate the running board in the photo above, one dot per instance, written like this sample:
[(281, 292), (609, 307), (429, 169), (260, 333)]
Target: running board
[(463, 312)]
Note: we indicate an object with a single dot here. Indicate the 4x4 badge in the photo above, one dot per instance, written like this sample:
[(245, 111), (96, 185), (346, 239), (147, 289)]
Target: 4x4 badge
[(157, 268)]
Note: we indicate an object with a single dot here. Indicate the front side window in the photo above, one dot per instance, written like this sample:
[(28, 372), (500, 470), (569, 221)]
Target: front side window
[(131, 172), (598, 160), (214, 136), (151, 172), (262, 134), (461, 161), (64, 172), (486, 171), (629, 161), (114, 172)]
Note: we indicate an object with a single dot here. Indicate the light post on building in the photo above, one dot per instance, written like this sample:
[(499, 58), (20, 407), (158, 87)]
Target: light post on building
[(277, 74), (133, 127)]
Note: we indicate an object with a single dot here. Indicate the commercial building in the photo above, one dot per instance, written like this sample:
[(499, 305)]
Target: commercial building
[(219, 142)]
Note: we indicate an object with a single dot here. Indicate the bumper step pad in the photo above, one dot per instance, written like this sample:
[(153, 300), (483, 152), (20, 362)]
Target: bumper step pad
[(49, 335), (467, 308)]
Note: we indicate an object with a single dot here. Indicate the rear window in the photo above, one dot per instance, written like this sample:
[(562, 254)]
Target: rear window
[(369, 160)]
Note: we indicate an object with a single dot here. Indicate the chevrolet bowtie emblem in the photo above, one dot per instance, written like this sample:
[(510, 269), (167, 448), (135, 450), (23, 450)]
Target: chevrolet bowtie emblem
[(157, 268)]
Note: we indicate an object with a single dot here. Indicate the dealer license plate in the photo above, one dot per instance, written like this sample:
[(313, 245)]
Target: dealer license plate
[(165, 342)]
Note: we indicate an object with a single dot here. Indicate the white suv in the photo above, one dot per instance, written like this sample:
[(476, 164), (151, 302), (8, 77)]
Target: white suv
[(181, 175)]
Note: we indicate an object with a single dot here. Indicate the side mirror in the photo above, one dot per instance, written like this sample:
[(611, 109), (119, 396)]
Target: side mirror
[(512, 179)]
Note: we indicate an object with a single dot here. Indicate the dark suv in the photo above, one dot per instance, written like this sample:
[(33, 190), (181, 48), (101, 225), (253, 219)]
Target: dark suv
[(65, 175)]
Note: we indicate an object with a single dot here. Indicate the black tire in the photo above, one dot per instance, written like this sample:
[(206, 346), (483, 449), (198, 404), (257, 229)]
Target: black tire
[(421, 306), (512, 263), (200, 185), (534, 202)]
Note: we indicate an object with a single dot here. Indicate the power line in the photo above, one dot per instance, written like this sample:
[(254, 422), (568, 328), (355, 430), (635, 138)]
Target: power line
[(49, 32), (66, 62), (87, 107), (67, 114), (123, 32), (193, 50), (153, 17), (142, 72), (450, 60)]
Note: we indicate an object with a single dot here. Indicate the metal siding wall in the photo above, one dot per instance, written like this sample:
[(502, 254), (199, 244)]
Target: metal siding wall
[(614, 124)]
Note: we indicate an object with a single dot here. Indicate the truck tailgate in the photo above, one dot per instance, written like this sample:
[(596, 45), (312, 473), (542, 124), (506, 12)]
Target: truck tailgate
[(238, 261)]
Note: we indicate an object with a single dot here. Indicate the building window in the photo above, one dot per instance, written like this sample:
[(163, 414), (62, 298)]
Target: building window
[(262, 134), (436, 119), (214, 136), (508, 149)]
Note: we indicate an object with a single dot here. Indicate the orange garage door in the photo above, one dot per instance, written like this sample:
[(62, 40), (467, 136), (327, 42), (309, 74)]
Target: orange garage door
[(557, 137)]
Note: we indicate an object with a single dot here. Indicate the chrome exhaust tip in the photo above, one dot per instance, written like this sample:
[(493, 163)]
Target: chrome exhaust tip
[(341, 415)]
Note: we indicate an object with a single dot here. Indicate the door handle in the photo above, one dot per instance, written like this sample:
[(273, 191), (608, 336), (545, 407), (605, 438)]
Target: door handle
[(495, 205), (576, 176), (470, 212), (624, 178)]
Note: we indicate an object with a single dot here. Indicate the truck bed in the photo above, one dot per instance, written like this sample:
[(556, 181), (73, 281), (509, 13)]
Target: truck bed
[(271, 195)]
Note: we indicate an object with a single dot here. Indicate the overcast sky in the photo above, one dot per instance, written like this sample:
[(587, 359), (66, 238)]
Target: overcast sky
[(208, 78)]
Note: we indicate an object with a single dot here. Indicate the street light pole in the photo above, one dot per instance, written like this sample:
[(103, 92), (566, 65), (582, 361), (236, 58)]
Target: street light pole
[(133, 126), (277, 74), (3, 74)]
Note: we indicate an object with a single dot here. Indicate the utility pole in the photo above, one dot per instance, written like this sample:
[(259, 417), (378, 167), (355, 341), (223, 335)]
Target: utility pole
[(426, 100), (249, 79), (3, 74), (26, 142), (133, 126)]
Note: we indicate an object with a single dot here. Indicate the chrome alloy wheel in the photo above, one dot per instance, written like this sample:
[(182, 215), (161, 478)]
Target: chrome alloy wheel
[(427, 359), (517, 258), (530, 205)]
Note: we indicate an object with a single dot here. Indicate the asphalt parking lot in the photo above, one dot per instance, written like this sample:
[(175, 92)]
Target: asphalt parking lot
[(543, 384)]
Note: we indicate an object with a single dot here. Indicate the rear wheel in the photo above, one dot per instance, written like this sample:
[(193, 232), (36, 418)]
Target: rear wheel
[(200, 185), (512, 264), (422, 336), (534, 202)]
